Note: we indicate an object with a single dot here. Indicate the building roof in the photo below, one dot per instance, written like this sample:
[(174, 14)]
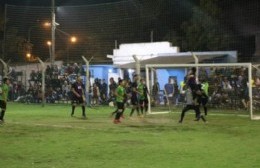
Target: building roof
[(186, 57)]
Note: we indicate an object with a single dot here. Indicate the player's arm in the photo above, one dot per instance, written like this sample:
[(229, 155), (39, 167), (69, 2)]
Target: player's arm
[(136, 91)]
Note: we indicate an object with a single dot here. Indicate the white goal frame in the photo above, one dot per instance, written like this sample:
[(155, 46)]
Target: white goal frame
[(149, 68)]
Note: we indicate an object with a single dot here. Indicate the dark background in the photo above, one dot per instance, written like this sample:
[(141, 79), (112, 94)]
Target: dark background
[(193, 25)]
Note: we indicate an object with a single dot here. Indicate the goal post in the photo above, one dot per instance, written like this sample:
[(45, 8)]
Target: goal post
[(232, 104)]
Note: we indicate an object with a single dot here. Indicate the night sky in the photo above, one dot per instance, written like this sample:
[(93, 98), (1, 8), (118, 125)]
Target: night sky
[(241, 17), (57, 2)]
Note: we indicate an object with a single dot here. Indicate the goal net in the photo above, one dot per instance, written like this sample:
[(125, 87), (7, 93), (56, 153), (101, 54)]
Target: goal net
[(227, 85)]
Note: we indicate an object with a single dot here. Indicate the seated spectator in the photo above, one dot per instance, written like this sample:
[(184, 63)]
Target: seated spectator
[(226, 85)]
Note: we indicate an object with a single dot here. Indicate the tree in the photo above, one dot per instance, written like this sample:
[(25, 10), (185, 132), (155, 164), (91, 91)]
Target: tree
[(164, 17), (13, 46), (1, 28), (204, 31)]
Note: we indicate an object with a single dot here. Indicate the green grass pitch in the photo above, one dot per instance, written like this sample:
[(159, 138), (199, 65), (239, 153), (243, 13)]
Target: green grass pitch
[(47, 137)]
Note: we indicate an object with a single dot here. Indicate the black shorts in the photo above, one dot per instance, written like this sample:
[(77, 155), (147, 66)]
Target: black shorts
[(120, 105), (2, 104), (143, 101), (204, 101), (134, 101), (77, 100)]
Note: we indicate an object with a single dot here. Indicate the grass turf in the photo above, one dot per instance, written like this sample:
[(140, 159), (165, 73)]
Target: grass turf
[(47, 137)]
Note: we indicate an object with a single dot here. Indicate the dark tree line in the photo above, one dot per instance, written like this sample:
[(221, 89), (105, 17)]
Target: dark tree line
[(193, 25)]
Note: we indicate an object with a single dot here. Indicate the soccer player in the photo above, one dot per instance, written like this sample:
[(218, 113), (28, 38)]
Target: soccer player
[(191, 80), (197, 101), (134, 99), (120, 99), (78, 96), (4, 89), (204, 96), (143, 96)]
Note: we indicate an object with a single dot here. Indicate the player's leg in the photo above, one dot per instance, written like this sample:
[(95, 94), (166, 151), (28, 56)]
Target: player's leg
[(141, 104), (204, 102), (73, 106), (82, 102), (74, 102), (3, 107), (184, 110), (120, 110), (145, 105)]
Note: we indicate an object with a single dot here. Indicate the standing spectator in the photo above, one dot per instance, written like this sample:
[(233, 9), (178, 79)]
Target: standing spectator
[(112, 88), (76, 68), (78, 96), (66, 88), (48, 72), (155, 93), (168, 89), (96, 94), (175, 92), (103, 91), (3, 97)]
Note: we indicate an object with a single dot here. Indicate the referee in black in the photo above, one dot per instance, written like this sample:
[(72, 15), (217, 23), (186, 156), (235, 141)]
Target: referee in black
[(78, 96)]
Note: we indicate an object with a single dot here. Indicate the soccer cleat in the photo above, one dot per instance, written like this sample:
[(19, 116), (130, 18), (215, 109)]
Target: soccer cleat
[(117, 121)]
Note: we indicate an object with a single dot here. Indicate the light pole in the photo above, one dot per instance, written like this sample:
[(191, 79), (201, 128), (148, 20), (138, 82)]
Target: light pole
[(71, 39), (49, 46)]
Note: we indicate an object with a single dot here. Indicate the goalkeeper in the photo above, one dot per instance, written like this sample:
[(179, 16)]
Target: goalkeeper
[(192, 103)]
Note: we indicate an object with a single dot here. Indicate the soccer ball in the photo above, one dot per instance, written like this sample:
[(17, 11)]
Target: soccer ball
[(111, 104)]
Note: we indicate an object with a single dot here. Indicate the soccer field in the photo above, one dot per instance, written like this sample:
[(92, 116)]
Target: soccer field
[(47, 137)]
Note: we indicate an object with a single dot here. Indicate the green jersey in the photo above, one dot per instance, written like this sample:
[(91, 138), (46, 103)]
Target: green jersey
[(4, 92), (205, 88), (120, 94), (140, 89)]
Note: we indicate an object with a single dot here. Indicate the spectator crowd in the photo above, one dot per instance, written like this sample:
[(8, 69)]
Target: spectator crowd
[(226, 87)]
